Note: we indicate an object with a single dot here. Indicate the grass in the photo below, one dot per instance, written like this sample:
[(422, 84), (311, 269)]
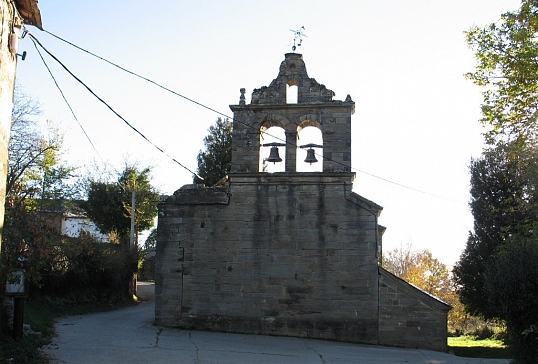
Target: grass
[(471, 347), (41, 315)]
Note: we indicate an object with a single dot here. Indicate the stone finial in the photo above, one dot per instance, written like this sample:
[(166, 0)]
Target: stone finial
[(242, 97), (348, 98)]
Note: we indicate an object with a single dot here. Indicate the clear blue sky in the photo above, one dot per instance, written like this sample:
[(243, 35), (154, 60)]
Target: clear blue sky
[(402, 62)]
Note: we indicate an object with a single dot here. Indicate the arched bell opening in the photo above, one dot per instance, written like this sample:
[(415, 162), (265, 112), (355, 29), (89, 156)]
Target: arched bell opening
[(272, 149), (309, 148)]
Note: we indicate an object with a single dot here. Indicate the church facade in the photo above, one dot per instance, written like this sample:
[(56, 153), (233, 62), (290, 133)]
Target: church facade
[(287, 253)]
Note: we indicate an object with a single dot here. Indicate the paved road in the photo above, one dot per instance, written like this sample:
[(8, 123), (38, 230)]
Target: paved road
[(128, 336)]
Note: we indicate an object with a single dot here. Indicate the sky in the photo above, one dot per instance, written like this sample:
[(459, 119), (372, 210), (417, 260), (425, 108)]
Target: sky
[(415, 127)]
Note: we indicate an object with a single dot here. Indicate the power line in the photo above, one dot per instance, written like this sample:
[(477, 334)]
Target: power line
[(239, 121), (142, 77), (110, 107), (65, 99)]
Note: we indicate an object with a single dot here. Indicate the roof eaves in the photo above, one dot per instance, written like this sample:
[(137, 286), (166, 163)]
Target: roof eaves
[(29, 12)]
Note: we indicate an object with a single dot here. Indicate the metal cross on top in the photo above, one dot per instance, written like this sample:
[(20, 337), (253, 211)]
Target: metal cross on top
[(297, 38)]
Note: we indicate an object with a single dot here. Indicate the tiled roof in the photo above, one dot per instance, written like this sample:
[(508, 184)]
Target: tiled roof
[(30, 12)]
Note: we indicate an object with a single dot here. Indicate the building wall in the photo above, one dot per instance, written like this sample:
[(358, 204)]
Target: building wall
[(72, 226), (12, 16), (315, 107), (287, 253), (409, 317), (333, 119), (275, 254), (8, 64)]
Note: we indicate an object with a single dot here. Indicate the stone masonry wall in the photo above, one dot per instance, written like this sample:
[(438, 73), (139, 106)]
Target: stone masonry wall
[(8, 64), (409, 317), (289, 253), (315, 107), (282, 254), (334, 120)]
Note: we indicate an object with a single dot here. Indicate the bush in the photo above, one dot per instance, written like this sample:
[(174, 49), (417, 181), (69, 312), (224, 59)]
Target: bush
[(146, 272), (479, 328), (85, 271)]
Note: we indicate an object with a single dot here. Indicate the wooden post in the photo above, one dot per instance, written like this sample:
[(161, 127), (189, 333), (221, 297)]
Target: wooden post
[(18, 318)]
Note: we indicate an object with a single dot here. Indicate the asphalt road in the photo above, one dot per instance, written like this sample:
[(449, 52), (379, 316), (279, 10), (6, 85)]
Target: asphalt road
[(129, 336)]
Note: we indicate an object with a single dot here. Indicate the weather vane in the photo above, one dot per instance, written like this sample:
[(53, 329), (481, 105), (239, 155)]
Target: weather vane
[(297, 38)]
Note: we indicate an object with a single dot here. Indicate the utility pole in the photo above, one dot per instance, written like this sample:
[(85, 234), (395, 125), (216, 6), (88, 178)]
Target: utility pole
[(132, 246), (133, 202)]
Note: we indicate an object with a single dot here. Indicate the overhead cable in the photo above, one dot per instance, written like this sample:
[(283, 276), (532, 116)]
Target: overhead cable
[(110, 107), (65, 99), (243, 123)]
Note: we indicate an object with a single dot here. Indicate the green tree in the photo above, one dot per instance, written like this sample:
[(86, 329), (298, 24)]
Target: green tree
[(215, 162), (36, 169), (504, 187), (146, 263), (36, 174), (151, 240), (512, 284), (507, 66), (108, 205), (503, 203)]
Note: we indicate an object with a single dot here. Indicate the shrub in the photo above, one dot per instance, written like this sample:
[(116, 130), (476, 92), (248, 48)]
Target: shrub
[(85, 271)]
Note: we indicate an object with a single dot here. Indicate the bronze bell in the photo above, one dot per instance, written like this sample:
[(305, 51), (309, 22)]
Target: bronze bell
[(273, 156), (310, 156)]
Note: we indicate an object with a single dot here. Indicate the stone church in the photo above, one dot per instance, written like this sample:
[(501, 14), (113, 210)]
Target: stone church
[(287, 253)]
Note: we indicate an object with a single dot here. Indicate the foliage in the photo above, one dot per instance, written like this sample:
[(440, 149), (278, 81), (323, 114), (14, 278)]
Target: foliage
[(512, 284), (83, 270), (494, 273), (151, 240), (109, 204), (26, 145), (471, 347), (146, 263), (215, 162), (29, 241), (420, 269), (36, 169), (37, 182), (399, 260), (504, 203), (79, 269), (499, 207), (507, 66), (146, 271), (25, 351), (39, 185), (61, 270)]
